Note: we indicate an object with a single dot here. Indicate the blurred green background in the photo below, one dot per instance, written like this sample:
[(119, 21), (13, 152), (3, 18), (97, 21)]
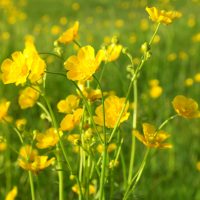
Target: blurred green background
[(175, 62)]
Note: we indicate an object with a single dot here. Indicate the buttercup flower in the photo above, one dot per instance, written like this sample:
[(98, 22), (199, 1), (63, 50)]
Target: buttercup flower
[(48, 139), (84, 65), (113, 106), (23, 65), (3, 146), (68, 105), (186, 107), (28, 98), (20, 123), (162, 15), (70, 34), (35, 63), (112, 52), (151, 137), (12, 194), (30, 160), (71, 120), (4, 105), (15, 70)]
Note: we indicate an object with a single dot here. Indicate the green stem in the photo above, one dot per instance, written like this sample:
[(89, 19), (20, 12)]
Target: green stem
[(132, 158), (51, 54), (31, 185), (166, 121), (104, 161), (137, 177), (77, 43), (153, 36)]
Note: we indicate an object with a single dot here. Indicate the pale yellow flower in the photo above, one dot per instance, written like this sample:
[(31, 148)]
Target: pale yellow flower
[(162, 16), (69, 104), (112, 52), (84, 65), (30, 160), (71, 120), (152, 138), (113, 106), (186, 107), (70, 34), (48, 139), (28, 98)]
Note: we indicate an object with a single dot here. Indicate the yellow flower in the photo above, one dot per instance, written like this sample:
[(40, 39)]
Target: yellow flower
[(70, 34), (35, 63), (28, 98), (26, 155), (76, 189), (71, 120), (111, 148), (12, 194), (189, 82), (3, 146), (15, 70), (29, 160), (155, 91), (198, 165), (4, 105), (152, 138), (197, 77), (68, 105), (112, 52), (48, 139), (20, 123), (40, 163), (23, 65), (162, 15), (73, 138), (186, 107), (113, 106), (84, 65)]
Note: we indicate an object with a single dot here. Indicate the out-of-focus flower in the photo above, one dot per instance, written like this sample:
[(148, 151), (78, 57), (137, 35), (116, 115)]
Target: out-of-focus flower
[(162, 16), (12, 194), (196, 37), (28, 97), (197, 77), (113, 106), (144, 24), (189, 82), (155, 91), (76, 189), (186, 107), (84, 65), (112, 52), (71, 120), (20, 123), (172, 57), (29, 160), (70, 34), (3, 146), (111, 148), (73, 138), (198, 165), (151, 137), (48, 139), (4, 105), (69, 104)]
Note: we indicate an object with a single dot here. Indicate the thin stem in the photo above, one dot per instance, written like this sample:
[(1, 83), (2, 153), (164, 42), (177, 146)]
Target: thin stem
[(31, 185), (77, 43), (166, 121), (153, 36), (103, 170), (137, 177), (135, 91), (89, 111)]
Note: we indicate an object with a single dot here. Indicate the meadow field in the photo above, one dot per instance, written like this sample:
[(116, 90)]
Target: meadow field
[(89, 92)]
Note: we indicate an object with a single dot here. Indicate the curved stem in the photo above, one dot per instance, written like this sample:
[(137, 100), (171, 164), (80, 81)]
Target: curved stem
[(153, 36)]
